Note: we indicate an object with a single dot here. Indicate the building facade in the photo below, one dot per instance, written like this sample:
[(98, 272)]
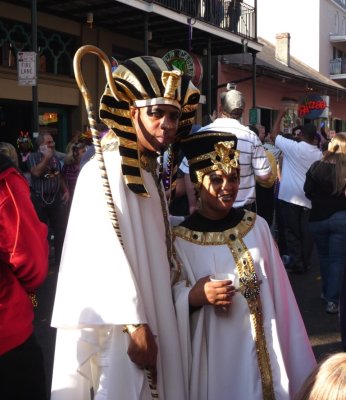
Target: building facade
[(317, 29), (311, 35), (227, 50), (122, 29)]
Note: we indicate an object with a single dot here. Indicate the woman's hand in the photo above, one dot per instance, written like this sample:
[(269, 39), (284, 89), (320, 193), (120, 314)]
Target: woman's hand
[(217, 293)]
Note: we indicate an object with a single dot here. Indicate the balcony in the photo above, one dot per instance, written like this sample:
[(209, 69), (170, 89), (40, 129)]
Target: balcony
[(159, 25), (338, 66), (337, 70), (338, 41), (221, 14)]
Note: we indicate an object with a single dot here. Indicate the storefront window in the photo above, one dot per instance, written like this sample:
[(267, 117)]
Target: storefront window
[(49, 123)]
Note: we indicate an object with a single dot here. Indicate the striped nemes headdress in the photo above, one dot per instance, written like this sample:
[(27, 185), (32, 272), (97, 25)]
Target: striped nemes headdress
[(141, 82), (209, 151)]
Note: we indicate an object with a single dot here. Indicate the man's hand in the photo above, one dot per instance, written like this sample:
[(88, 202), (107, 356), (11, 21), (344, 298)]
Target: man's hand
[(276, 128), (40, 169), (142, 350), (46, 151), (66, 197)]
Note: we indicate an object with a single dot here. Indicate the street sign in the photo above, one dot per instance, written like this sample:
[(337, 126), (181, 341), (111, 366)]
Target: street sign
[(26, 62)]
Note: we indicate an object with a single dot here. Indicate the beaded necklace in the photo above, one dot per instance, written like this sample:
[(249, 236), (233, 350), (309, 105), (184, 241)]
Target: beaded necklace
[(167, 176), (52, 173), (150, 165)]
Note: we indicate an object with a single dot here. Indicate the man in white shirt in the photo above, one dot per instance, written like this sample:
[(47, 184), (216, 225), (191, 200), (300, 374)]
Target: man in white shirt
[(253, 160), (294, 205)]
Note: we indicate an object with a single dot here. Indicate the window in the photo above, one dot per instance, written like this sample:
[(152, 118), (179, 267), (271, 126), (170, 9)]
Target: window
[(56, 49)]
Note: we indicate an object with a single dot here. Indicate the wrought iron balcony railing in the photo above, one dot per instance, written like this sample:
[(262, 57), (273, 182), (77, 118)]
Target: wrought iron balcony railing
[(337, 66), (234, 16)]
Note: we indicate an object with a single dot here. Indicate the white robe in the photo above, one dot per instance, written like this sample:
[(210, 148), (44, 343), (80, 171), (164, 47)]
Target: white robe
[(100, 289), (220, 359)]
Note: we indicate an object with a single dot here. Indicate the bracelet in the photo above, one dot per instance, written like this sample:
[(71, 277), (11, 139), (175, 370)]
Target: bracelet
[(131, 328), (33, 299)]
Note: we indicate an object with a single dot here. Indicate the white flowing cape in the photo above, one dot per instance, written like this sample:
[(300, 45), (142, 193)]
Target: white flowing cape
[(100, 288), (219, 352)]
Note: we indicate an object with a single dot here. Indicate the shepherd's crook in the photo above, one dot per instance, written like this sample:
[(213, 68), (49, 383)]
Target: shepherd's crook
[(97, 143)]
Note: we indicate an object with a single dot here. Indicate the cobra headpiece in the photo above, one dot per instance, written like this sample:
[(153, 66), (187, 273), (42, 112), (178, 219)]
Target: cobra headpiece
[(210, 151)]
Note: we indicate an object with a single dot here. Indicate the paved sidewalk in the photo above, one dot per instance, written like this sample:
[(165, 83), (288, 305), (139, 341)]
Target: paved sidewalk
[(45, 334), (322, 328)]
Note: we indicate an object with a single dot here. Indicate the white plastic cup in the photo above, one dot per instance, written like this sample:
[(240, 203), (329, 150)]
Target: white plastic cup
[(222, 311), (222, 277)]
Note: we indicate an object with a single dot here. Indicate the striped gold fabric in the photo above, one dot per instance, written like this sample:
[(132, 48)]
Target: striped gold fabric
[(144, 78)]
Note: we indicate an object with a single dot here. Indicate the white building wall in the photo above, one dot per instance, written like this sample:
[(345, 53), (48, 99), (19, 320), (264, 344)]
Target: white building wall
[(298, 17), (309, 23), (330, 16)]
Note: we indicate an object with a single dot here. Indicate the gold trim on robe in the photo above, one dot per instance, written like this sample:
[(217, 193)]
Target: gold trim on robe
[(248, 281)]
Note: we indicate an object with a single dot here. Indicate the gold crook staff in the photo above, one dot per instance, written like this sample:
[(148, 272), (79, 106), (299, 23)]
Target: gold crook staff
[(96, 141), (92, 122)]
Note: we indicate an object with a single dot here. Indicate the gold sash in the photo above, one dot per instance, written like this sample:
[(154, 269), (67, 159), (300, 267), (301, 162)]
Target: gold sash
[(249, 285)]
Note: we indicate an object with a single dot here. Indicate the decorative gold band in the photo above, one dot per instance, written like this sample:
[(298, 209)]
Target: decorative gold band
[(249, 285), (157, 101), (248, 279)]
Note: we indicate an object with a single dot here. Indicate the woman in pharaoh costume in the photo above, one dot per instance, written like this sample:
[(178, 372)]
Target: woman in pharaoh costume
[(243, 336)]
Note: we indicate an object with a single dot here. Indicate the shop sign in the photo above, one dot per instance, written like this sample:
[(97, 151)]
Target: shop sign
[(187, 62), (26, 62), (313, 106)]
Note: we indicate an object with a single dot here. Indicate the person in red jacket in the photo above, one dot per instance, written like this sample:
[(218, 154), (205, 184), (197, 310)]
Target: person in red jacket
[(23, 268)]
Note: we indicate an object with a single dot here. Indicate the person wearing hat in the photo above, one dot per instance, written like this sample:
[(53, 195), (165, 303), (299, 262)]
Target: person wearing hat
[(253, 159), (240, 328), (117, 333)]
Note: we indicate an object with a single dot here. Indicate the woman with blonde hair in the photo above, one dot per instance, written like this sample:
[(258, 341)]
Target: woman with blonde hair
[(337, 143), (327, 381), (10, 151), (325, 186)]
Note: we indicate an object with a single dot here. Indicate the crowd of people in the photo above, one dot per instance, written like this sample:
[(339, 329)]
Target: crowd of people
[(183, 292)]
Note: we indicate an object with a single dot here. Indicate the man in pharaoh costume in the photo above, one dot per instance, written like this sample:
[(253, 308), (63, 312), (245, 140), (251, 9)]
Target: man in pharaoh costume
[(117, 334), (242, 335)]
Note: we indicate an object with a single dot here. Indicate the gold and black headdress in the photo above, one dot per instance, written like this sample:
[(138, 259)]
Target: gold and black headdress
[(140, 82), (210, 151)]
